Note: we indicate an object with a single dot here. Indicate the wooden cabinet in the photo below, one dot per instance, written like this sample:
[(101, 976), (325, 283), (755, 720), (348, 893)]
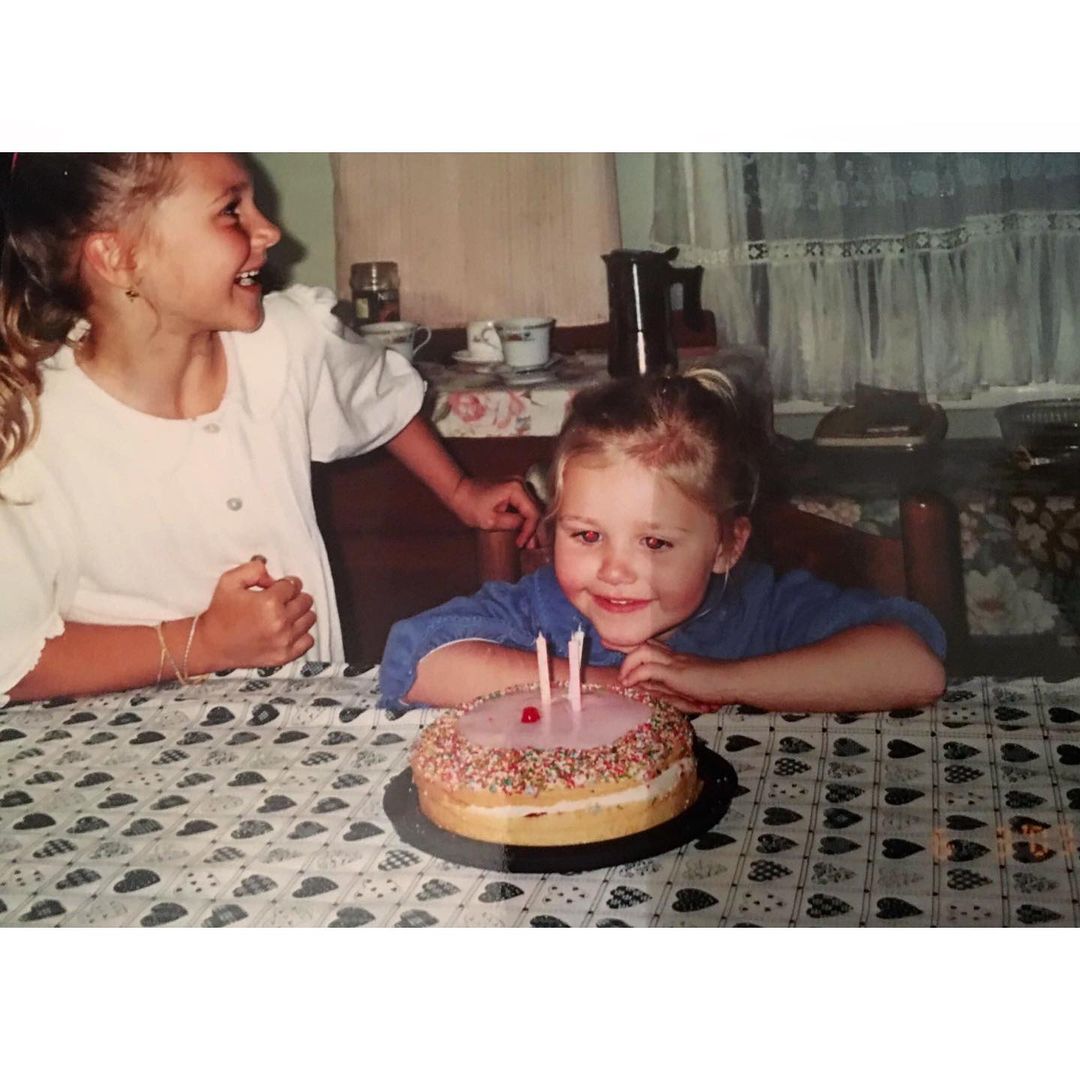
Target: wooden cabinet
[(1020, 537), (394, 548)]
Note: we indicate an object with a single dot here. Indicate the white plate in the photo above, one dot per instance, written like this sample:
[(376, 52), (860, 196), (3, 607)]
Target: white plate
[(552, 360), (466, 359), (513, 376)]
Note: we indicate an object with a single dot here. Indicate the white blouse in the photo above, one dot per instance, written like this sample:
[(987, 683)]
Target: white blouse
[(122, 518)]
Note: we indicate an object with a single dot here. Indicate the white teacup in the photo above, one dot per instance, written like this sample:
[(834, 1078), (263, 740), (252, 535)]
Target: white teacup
[(526, 342), (399, 336), (482, 342)]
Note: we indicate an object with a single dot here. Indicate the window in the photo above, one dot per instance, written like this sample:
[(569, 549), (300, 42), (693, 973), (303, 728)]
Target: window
[(957, 275)]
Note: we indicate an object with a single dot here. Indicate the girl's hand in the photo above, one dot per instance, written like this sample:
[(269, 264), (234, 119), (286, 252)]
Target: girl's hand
[(497, 505), (690, 683), (254, 621), (602, 676)]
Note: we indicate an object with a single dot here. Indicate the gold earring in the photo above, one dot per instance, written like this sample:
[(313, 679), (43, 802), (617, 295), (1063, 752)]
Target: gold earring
[(131, 292)]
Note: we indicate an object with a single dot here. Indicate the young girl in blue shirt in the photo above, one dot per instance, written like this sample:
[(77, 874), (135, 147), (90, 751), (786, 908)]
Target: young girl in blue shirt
[(653, 480), (158, 419)]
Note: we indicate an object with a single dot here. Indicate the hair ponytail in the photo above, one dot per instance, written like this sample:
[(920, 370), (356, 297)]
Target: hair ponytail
[(20, 381)]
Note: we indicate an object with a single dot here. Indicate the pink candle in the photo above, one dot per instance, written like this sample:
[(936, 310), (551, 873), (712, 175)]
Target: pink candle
[(542, 668)]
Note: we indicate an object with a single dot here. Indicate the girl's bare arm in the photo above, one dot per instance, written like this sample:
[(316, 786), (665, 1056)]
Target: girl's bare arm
[(483, 504), (876, 666), (252, 621)]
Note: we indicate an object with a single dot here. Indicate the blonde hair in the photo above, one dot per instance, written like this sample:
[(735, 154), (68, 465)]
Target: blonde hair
[(690, 428), (50, 204)]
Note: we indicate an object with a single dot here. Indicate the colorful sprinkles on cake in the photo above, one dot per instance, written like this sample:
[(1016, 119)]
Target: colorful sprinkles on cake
[(641, 754)]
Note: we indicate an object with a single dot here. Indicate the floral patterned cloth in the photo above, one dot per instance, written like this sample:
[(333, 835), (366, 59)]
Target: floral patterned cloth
[(1021, 556), (491, 402)]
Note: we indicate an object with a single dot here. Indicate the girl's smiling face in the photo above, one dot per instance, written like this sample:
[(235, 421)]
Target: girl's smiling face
[(197, 261), (632, 553)]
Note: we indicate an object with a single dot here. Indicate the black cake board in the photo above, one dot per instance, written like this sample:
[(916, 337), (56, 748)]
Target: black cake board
[(719, 784)]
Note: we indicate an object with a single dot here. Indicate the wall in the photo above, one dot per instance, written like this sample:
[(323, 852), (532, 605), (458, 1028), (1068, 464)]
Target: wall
[(634, 177), (301, 187), (296, 190), (479, 235)]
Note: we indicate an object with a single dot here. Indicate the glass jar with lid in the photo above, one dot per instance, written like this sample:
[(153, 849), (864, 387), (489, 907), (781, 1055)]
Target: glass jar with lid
[(375, 296)]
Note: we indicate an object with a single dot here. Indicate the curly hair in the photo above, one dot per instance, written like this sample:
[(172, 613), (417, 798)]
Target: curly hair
[(49, 204)]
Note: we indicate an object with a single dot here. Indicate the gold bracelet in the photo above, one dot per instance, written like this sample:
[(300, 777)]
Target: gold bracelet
[(187, 677), (166, 652), (161, 660)]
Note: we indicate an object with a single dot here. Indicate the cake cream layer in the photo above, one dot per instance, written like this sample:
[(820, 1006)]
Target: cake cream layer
[(583, 822), (666, 782)]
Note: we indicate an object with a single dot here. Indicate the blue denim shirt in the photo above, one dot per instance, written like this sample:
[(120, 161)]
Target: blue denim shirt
[(753, 613)]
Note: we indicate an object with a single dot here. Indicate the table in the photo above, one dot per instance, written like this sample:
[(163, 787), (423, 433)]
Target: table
[(1019, 530), (469, 403), (255, 799)]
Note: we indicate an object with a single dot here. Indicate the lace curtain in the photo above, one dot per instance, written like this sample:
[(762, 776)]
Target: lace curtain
[(945, 273)]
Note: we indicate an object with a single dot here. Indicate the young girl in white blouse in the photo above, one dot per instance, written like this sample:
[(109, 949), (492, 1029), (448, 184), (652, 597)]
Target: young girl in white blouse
[(158, 418)]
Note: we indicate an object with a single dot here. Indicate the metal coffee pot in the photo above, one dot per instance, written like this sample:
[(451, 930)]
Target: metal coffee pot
[(639, 296)]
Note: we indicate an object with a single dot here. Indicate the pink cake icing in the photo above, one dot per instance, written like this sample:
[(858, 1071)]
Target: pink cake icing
[(496, 722), (485, 746)]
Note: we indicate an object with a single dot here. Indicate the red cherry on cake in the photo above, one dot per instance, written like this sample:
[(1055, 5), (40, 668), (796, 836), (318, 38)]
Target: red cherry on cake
[(530, 714)]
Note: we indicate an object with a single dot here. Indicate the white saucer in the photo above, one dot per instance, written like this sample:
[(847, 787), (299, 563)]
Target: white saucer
[(466, 359), (550, 362), (516, 376)]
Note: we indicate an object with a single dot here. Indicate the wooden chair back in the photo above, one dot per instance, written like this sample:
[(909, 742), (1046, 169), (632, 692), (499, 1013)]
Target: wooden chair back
[(923, 563)]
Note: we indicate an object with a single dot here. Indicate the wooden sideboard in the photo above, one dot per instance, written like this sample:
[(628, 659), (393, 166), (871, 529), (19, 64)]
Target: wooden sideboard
[(395, 550), (1020, 532)]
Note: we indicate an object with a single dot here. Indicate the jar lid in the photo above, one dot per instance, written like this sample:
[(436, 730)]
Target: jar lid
[(373, 274)]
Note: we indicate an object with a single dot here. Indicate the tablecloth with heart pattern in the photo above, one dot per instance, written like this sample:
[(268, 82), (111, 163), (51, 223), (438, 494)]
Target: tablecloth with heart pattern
[(255, 799)]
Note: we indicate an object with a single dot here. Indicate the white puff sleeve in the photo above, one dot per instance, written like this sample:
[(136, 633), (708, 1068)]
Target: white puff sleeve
[(358, 396), (37, 567)]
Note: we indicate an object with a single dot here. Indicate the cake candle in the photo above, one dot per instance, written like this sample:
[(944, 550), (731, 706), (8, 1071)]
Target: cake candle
[(542, 668), (577, 639)]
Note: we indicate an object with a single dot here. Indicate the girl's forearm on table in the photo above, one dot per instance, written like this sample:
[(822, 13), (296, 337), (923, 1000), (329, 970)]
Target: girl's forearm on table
[(878, 666), (92, 659)]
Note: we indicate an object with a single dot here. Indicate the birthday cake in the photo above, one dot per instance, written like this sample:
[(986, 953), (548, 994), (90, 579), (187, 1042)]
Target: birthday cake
[(509, 770)]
